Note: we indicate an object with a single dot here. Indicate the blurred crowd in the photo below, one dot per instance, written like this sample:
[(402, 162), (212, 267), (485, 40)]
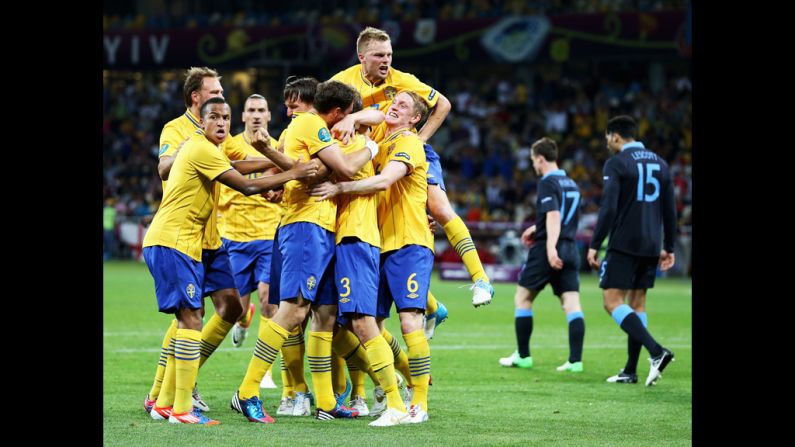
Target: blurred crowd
[(242, 13)]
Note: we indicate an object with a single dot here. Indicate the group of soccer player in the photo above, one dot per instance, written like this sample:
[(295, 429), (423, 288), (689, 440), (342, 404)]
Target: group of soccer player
[(329, 224)]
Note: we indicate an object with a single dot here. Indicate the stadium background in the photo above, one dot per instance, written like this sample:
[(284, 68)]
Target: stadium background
[(514, 72)]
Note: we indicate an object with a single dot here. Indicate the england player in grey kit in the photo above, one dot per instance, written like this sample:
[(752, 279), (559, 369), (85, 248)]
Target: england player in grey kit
[(553, 258), (637, 209)]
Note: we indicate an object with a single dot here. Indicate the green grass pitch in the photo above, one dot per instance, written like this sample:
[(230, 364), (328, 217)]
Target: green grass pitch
[(473, 400)]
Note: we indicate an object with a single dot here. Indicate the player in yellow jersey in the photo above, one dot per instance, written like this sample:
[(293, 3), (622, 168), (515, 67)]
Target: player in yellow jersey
[(201, 84), (378, 83), (247, 224), (306, 243), (174, 255), (406, 242)]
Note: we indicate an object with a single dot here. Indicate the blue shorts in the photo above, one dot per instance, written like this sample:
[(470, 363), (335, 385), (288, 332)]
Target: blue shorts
[(356, 276), (434, 167), (405, 278), (251, 263), (276, 272), (217, 271), (307, 251), (178, 278)]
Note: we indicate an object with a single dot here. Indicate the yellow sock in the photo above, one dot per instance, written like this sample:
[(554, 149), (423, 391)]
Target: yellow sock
[(213, 333), (382, 362), (161, 362), (432, 305), (347, 345), (401, 359), (186, 356), (337, 373), (293, 356), (166, 396), (420, 365), (287, 381), (459, 237), (318, 353), (270, 339)]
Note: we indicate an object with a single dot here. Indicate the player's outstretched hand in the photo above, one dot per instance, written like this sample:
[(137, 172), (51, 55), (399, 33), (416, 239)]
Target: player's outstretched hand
[(344, 129), (325, 190), (304, 170), (261, 139)]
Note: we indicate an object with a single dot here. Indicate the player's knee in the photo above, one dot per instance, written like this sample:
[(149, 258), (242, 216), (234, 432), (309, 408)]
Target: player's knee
[(229, 307), (440, 208), (410, 324), (268, 310)]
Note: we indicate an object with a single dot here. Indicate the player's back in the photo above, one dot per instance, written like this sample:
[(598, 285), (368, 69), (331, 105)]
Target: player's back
[(558, 192), (306, 135), (644, 179)]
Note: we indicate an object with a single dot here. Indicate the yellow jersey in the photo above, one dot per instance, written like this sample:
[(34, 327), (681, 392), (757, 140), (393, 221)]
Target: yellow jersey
[(174, 134), (357, 214), (380, 96), (306, 135), (189, 199), (401, 208), (244, 218)]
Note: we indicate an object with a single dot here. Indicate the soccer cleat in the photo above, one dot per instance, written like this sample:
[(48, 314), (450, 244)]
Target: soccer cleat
[(399, 381), (433, 320), (303, 404), (339, 412), (286, 407), (149, 403), (340, 398), (251, 408), (161, 414), (575, 367), (482, 293), (267, 380), (359, 404), (408, 395), (191, 417), (657, 366), (623, 377), (379, 402), (416, 415), (389, 418), (197, 399), (240, 331), (515, 360)]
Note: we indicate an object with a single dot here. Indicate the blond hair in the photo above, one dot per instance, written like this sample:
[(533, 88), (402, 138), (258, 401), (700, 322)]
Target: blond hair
[(193, 81), (368, 35), (420, 108)]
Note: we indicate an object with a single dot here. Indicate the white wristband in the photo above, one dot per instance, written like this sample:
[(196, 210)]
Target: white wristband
[(373, 148)]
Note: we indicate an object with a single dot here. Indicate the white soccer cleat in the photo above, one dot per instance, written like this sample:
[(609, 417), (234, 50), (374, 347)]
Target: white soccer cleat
[(657, 366), (430, 326), (286, 406), (390, 418), (198, 402), (239, 334), (359, 404), (416, 415), (267, 380), (379, 401), (303, 406), (482, 293)]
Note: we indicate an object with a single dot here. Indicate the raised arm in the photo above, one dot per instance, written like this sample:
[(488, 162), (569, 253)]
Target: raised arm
[(436, 118), (345, 129)]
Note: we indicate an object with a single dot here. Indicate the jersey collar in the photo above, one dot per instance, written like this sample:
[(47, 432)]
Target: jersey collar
[(555, 172), (633, 145), (192, 118)]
